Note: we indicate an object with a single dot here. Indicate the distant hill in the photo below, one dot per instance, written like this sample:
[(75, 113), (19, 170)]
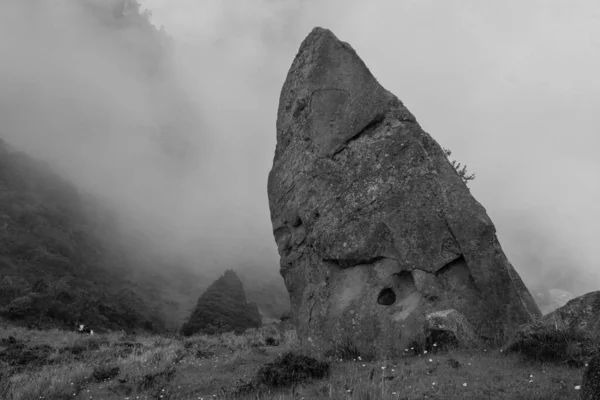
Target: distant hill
[(222, 308), (63, 258)]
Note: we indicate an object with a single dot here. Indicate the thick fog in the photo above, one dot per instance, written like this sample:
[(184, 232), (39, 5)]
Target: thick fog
[(510, 87)]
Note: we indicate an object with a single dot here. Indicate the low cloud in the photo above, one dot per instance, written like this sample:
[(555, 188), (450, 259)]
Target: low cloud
[(510, 88)]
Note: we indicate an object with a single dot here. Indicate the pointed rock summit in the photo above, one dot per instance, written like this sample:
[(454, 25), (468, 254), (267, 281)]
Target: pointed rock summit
[(223, 308), (374, 227)]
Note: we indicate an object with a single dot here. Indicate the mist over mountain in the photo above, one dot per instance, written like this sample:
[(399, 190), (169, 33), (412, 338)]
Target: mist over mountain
[(104, 183), (172, 130), (511, 88)]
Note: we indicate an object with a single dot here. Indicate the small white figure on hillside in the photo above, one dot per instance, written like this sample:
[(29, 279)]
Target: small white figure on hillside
[(82, 329)]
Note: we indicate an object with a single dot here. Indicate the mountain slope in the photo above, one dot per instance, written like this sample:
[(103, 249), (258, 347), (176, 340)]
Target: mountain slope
[(64, 258)]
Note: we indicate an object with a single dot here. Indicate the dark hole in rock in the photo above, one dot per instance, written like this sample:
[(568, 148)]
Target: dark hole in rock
[(432, 298), (386, 297)]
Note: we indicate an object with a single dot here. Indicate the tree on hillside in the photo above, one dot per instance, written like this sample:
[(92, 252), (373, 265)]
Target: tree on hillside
[(462, 172), (223, 308)]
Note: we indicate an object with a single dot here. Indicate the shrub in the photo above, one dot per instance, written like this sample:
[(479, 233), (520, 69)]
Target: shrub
[(105, 372), (462, 172), (541, 343), (20, 356), (202, 354), (291, 369), (19, 307), (156, 380)]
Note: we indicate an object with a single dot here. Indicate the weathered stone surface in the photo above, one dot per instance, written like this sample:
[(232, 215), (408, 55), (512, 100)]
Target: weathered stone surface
[(590, 381), (364, 202), (454, 323), (582, 314)]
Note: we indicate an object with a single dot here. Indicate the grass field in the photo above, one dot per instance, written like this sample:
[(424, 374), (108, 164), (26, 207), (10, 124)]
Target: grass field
[(65, 365)]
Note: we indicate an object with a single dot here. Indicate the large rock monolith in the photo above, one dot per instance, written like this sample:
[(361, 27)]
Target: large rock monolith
[(374, 227), (590, 381)]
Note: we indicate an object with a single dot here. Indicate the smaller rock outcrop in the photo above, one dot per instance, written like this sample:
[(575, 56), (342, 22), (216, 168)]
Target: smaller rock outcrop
[(552, 299), (590, 381), (581, 313), (223, 308), (449, 327), (570, 333)]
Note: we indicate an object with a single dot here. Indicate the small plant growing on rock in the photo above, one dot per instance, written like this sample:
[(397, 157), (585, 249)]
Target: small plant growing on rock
[(462, 172)]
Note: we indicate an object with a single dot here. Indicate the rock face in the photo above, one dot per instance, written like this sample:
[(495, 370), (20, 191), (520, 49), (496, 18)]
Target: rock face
[(374, 227), (590, 381), (450, 323), (222, 308), (580, 314), (569, 334)]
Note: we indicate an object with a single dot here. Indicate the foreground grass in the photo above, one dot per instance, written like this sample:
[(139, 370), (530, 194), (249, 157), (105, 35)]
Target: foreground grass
[(65, 365)]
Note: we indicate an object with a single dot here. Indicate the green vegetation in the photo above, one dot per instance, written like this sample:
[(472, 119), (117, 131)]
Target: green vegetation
[(55, 267), (291, 369), (53, 364), (64, 257), (557, 344), (462, 172), (223, 308)]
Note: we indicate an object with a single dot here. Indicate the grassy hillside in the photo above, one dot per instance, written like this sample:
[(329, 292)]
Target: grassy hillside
[(259, 364), (63, 258)]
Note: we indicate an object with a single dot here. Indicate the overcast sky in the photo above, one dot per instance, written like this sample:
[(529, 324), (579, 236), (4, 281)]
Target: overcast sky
[(510, 87)]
